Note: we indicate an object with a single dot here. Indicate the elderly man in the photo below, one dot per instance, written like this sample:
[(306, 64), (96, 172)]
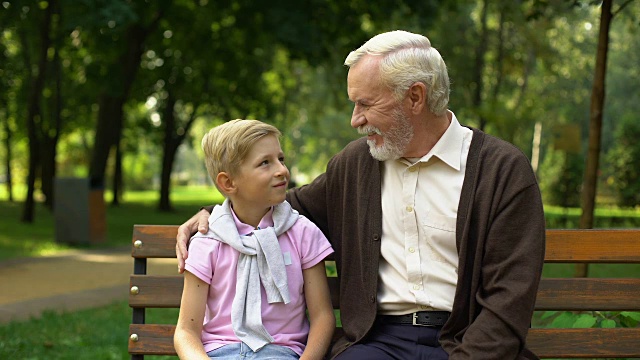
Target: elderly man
[(438, 228)]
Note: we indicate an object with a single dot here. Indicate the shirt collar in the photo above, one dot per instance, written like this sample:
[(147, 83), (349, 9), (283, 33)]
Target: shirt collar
[(449, 146), (245, 229)]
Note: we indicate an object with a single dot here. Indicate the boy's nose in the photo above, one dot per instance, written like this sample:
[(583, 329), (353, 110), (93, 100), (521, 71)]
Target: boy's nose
[(282, 170)]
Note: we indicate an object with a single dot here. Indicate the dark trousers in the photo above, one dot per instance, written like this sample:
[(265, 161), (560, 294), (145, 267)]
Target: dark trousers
[(398, 342)]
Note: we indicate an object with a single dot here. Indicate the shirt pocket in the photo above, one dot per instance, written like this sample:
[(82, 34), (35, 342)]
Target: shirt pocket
[(440, 222), (440, 234)]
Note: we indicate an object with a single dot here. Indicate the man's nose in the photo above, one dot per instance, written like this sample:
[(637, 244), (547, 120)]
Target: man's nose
[(357, 118)]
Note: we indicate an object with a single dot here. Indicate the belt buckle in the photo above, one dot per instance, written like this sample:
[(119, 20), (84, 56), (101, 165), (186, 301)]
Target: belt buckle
[(414, 317)]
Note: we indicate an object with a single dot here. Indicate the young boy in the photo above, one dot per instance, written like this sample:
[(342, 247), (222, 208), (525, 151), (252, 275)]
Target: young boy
[(253, 275)]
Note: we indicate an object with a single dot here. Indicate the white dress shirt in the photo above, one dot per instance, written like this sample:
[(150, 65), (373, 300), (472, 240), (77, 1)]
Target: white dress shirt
[(419, 259)]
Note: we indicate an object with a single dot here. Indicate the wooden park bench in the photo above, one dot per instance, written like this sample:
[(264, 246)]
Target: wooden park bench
[(555, 294)]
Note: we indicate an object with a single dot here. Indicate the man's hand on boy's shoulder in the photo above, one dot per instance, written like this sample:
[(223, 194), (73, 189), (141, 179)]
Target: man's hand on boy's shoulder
[(198, 222)]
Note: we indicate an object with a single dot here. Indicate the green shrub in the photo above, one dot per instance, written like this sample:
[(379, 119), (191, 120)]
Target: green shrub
[(623, 160)]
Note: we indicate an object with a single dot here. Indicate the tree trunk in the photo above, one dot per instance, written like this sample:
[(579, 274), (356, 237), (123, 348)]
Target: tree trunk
[(169, 151), (172, 141), (117, 177), (51, 135), (48, 147), (168, 157), (33, 112), (110, 115), (7, 145), (111, 102), (108, 130), (595, 127), (481, 49)]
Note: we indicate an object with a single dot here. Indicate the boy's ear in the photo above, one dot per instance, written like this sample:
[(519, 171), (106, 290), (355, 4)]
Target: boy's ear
[(225, 183)]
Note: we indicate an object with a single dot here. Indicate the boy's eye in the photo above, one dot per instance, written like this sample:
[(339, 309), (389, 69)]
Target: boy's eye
[(281, 159), (264, 162)]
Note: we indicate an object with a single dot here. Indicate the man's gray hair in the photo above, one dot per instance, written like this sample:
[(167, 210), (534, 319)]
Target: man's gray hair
[(408, 58)]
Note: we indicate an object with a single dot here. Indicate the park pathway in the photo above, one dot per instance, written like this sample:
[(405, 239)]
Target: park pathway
[(73, 280)]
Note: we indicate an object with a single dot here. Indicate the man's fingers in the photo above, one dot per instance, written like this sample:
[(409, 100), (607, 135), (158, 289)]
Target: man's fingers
[(203, 221), (181, 254), (198, 222)]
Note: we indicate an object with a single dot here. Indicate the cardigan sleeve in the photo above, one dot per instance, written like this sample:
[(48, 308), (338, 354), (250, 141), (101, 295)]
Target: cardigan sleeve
[(311, 201), (510, 264)]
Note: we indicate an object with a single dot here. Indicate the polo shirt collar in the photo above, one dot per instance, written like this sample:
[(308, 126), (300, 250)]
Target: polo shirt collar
[(245, 229)]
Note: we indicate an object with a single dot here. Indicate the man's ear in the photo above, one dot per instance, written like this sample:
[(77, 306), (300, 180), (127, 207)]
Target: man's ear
[(225, 183), (417, 96)]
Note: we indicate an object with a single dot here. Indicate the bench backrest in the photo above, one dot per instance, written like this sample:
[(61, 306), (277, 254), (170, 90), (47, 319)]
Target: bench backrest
[(555, 294)]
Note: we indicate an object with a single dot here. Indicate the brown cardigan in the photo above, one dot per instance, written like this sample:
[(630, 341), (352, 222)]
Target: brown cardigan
[(499, 234)]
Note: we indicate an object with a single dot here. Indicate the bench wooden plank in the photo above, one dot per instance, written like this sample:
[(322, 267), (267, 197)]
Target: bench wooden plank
[(152, 339), (568, 246), (166, 291), (158, 241), (546, 343), (593, 245), (588, 294), (584, 343), (553, 294), (156, 291)]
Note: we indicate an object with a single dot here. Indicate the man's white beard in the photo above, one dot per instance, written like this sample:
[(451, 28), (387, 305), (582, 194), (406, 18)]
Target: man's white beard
[(394, 141)]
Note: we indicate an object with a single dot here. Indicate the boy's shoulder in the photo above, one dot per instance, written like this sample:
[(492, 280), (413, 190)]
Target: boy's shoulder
[(304, 222), (304, 227)]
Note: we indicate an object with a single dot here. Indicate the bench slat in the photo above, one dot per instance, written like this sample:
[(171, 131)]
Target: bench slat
[(156, 291), (584, 343), (546, 343), (158, 241), (588, 294), (166, 291), (593, 245), (153, 339)]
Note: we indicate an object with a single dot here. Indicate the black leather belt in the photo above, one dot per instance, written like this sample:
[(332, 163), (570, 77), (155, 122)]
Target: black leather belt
[(420, 318)]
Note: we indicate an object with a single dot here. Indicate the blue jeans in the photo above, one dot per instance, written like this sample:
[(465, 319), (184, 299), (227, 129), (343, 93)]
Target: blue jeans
[(242, 351)]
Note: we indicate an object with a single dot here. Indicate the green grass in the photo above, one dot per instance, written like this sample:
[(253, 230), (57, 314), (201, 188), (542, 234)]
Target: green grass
[(98, 334), (18, 239)]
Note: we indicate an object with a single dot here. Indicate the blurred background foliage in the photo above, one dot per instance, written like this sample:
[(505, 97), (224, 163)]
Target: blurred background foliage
[(122, 91)]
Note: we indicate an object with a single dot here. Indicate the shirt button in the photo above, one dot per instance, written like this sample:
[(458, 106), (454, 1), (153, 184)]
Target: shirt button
[(372, 299), (412, 250), (409, 209), (416, 287), (413, 169)]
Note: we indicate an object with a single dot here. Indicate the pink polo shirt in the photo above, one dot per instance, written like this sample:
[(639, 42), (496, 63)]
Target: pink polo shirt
[(215, 263)]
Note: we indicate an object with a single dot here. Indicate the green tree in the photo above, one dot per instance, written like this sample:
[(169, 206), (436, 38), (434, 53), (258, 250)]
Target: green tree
[(623, 160)]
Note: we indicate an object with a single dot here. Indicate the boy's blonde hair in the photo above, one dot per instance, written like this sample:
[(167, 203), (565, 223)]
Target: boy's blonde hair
[(227, 145)]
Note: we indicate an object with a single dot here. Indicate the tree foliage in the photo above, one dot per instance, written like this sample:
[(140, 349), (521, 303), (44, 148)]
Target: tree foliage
[(128, 90)]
